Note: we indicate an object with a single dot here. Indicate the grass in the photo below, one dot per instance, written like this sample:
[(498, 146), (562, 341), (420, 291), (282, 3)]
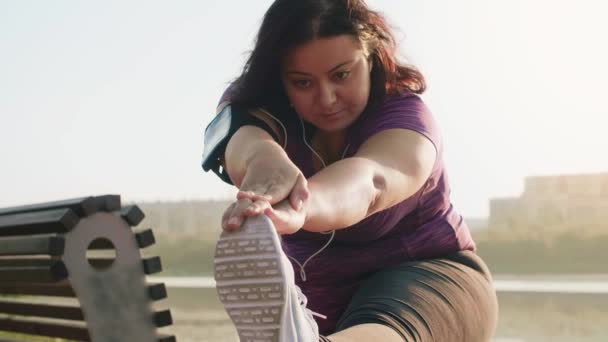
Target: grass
[(565, 253)]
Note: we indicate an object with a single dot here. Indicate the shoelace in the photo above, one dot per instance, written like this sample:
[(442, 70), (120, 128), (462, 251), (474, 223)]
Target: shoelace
[(302, 271), (304, 302)]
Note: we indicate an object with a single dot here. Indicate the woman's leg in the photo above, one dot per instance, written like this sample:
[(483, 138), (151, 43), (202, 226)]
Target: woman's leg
[(443, 299)]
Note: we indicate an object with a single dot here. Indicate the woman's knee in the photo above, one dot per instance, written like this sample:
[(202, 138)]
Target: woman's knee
[(433, 300)]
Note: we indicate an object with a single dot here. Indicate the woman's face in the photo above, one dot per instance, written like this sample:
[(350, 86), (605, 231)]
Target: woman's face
[(328, 81)]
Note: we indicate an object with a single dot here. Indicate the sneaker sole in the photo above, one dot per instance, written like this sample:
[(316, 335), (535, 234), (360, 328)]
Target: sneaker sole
[(250, 279)]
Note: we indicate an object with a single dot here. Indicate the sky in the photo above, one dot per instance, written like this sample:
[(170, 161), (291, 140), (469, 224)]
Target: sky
[(113, 96)]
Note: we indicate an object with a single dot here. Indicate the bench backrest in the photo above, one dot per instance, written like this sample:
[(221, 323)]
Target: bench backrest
[(73, 269)]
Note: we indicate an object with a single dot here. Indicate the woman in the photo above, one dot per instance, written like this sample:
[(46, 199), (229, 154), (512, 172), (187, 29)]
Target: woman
[(338, 154)]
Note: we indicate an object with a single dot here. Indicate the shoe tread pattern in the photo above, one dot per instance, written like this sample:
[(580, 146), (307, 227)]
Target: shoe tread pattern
[(249, 280)]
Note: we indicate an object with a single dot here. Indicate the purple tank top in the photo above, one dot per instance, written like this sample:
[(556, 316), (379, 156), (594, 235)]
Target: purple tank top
[(424, 225)]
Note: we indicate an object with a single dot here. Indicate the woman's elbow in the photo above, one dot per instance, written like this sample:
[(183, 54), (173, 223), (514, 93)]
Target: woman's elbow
[(377, 191)]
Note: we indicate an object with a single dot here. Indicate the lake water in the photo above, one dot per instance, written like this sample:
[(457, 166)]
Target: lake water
[(555, 309)]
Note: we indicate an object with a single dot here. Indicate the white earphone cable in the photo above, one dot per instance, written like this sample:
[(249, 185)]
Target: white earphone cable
[(332, 232)]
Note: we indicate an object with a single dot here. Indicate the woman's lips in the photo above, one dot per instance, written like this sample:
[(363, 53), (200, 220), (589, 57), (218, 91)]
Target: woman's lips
[(331, 115)]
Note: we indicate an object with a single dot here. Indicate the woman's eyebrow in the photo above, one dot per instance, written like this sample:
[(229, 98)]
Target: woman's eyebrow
[(340, 65), (330, 71)]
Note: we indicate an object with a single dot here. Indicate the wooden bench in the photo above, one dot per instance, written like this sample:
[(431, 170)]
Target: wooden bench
[(73, 269)]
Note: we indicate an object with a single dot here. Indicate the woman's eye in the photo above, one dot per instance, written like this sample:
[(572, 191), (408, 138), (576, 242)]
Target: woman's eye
[(342, 75), (301, 83)]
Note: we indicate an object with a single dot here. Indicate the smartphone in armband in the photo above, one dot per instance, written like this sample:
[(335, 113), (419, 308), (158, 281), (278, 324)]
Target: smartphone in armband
[(217, 134)]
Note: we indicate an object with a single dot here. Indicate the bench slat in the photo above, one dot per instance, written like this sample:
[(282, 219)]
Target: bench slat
[(43, 222), (166, 338), (82, 206), (145, 238), (64, 330), (24, 245), (163, 318), (132, 214), (42, 310), (108, 203), (57, 289), (152, 265), (156, 291), (26, 261), (34, 270)]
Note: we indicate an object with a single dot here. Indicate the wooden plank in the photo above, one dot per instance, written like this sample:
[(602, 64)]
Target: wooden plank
[(108, 203), (157, 291), (42, 222), (41, 310), (145, 238), (83, 206), (27, 261), (62, 330), (35, 270), (163, 318), (57, 289), (166, 338), (132, 214), (36, 244), (152, 265)]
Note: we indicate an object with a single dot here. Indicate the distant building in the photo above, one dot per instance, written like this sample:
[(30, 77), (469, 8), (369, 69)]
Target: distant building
[(555, 204)]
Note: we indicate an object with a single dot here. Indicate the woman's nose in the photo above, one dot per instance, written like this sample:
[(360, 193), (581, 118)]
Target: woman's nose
[(327, 96)]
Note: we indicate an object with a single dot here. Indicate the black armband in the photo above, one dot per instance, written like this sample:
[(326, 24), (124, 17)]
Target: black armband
[(219, 132)]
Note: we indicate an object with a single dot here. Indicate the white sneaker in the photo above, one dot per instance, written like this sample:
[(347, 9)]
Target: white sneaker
[(255, 282)]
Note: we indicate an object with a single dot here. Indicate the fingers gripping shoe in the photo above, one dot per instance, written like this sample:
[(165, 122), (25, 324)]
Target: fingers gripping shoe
[(255, 282)]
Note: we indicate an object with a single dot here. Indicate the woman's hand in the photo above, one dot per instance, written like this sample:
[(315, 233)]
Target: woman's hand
[(262, 170), (238, 211), (286, 219), (266, 183), (274, 181)]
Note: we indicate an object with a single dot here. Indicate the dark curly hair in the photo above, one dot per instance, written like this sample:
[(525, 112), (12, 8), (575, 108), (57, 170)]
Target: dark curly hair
[(289, 23)]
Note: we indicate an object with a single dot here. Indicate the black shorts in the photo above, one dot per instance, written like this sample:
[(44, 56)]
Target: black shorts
[(449, 299)]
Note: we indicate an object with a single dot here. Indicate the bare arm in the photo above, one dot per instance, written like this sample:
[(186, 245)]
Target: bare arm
[(388, 168), (248, 146), (259, 167)]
